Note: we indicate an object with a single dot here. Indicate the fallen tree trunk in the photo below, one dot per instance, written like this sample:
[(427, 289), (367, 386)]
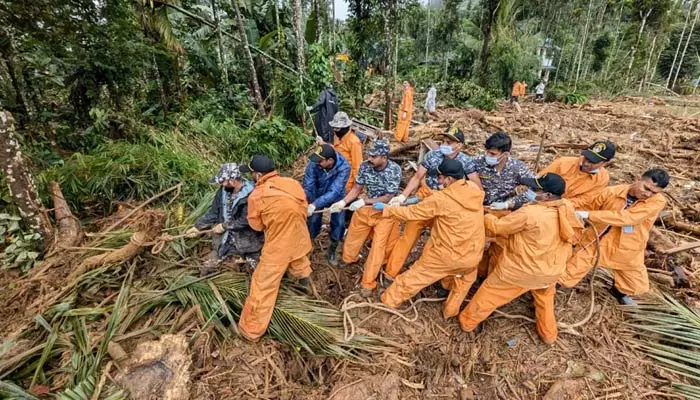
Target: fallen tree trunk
[(69, 231), (662, 245)]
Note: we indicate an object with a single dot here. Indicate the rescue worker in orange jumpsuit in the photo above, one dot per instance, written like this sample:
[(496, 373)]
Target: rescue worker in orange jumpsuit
[(538, 240), (381, 178), (276, 206), (426, 181), (586, 175), (623, 216), (456, 239), (405, 113), (348, 145)]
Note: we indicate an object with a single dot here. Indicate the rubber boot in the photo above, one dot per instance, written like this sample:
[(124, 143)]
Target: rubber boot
[(305, 283), (622, 298), (439, 290), (332, 253)]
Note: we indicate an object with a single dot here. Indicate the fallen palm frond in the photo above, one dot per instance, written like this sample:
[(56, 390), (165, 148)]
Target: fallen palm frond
[(669, 333), (301, 321)]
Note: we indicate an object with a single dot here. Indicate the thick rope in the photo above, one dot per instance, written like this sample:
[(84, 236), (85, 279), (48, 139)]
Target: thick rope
[(159, 243), (349, 325)]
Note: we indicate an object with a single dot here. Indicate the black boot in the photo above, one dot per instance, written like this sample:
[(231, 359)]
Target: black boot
[(439, 290), (305, 283), (622, 298), (332, 253)]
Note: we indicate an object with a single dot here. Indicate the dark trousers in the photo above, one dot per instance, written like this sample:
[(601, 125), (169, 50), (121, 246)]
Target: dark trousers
[(337, 225)]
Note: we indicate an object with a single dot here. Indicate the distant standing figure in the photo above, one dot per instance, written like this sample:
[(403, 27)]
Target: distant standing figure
[(539, 92), (515, 93), (430, 100), (405, 113), (325, 108)]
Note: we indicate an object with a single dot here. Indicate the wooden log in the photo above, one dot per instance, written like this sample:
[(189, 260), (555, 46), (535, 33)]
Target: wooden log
[(69, 231), (684, 247), (404, 147)]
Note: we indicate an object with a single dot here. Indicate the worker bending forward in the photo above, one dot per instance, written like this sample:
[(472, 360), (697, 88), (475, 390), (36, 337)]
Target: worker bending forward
[(623, 216), (456, 239), (277, 206), (381, 178), (586, 175), (426, 181), (538, 241)]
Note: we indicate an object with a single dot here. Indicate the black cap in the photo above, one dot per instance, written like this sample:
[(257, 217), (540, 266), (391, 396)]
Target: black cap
[(600, 151), (549, 182), (455, 134), (259, 163), (451, 168), (322, 152)]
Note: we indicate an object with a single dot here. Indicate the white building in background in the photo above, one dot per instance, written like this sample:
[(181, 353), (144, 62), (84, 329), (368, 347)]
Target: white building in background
[(546, 52)]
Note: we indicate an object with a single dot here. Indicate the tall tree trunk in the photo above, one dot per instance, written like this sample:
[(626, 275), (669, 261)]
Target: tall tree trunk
[(9, 59), (583, 42), (161, 89), (636, 45), (332, 24), (20, 182), (680, 41), (220, 43), (487, 22), (388, 71), (249, 57), (616, 44), (427, 34), (301, 64), (690, 35), (643, 82)]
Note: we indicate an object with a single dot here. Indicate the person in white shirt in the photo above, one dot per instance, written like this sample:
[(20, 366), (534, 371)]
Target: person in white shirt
[(430, 101), (539, 92)]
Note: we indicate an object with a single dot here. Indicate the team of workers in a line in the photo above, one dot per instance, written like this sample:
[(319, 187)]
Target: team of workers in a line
[(535, 238)]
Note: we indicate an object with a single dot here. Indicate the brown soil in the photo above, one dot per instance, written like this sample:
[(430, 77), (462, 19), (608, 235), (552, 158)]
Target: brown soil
[(434, 358), (506, 360)]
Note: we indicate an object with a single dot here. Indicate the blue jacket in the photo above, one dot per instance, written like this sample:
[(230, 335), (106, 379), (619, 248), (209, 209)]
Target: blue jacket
[(324, 188)]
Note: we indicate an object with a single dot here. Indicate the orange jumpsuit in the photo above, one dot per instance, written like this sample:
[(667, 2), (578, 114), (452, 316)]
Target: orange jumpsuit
[(405, 115), (411, 232), (350, 147), (516, 89), (277, 205), (538, 241), (581, 187), (385, 233), (622, 247), (453, 250)]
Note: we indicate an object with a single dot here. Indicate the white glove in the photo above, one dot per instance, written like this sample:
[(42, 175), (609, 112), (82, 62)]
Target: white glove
[(310, 209), (500, 205), (337, 206), (582, 214), (397, 201), (319, 140), (219, 229), (309, 108), (192, 232), (357, 204)]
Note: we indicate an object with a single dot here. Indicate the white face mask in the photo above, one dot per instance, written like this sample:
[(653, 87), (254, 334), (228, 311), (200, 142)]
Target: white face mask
[(531, 195), (446, 149), (492, 161), (593, 172)]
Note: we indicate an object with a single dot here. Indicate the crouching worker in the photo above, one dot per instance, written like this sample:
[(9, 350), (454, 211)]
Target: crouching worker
[(277, 206), (228, 217), (456, 239), (538, 241), (381, 178), (324, 184), (623, 216)]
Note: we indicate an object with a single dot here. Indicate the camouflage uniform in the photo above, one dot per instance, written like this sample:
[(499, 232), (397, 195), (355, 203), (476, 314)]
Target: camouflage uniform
[(434, 158), (379, 183), (500, 186)]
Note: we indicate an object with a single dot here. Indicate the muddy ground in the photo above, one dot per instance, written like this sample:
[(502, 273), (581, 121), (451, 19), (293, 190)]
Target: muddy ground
[(506, 360)]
